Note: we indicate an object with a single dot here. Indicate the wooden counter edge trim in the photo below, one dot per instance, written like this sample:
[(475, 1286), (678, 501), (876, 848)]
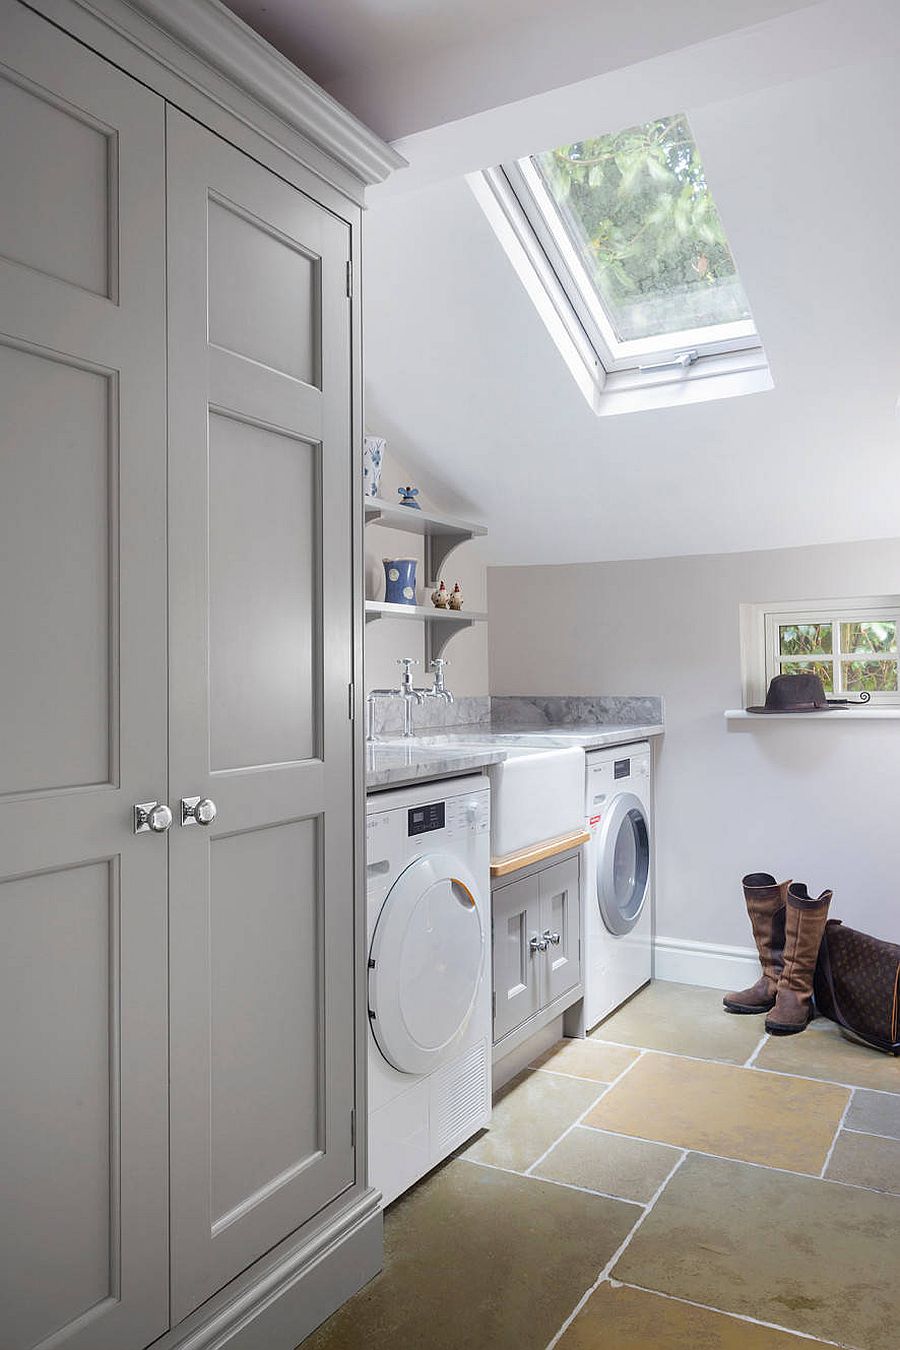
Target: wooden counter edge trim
[(511, 862)]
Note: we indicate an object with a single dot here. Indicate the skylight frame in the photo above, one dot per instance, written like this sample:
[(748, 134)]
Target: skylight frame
[(536, 202)]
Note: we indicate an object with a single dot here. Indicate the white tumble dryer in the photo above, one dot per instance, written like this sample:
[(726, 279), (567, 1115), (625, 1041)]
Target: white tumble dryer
[(429, 987), (618, 933)]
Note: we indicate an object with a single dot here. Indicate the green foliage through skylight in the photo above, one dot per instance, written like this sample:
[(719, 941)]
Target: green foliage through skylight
[(640, 212)]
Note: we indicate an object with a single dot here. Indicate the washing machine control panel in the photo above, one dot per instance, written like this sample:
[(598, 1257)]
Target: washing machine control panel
[(422, 819)]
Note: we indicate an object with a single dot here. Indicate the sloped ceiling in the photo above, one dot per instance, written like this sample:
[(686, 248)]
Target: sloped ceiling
[(406, 65), (472, 394)]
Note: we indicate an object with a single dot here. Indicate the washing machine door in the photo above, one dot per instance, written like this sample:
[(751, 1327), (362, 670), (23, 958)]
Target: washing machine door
[(623, 863), (426, 963)]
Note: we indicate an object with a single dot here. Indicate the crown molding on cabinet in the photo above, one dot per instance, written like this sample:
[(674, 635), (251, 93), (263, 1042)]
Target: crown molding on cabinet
[(207, 47)]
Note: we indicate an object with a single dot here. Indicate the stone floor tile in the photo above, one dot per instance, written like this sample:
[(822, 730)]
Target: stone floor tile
[(866, 1160), (874, 1113), (792, 1250), (683, 1020), (475, 1257), (628, 1168), (530, 1114), (725, 1110), (586, 1059), (620, 1318), (822, 1052)]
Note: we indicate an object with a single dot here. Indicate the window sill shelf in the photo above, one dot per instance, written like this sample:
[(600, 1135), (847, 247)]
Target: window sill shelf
[(839, 714)]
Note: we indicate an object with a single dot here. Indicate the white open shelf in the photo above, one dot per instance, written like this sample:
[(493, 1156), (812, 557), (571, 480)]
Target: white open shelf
[(440, 624), (838, 714), (442, 534)]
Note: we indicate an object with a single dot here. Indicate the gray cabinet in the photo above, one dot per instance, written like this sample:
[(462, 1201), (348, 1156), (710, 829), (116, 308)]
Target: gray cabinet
[(518, 973), (536, 942), (261, 900), (181, 1012), (83, 1053)]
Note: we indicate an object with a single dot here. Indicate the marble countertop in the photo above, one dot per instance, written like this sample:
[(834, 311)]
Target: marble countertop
[(392, 763)]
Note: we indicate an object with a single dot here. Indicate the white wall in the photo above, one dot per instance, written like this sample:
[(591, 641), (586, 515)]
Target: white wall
[(816, 801), (388, 639)]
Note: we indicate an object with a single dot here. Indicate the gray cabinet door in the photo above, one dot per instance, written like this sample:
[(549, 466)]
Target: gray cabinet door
[(83, 1072), (517, 967), (260, 575), (561, 925)]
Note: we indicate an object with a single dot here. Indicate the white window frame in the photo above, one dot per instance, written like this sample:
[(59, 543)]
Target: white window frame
[(614, 376), (543, 216), (761, 658)]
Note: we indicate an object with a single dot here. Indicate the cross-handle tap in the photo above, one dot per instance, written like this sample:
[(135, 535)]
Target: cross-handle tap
[(439, 688), (407, 692)]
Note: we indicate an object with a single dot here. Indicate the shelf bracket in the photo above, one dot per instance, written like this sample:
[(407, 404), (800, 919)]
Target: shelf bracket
[(438, 548), (438, 635)]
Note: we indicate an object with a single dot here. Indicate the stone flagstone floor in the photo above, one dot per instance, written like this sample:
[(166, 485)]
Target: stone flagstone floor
[(679, 1179)]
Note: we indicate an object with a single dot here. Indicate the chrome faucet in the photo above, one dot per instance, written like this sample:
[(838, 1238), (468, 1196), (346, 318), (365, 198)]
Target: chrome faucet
[(439, 688), (407, 692)]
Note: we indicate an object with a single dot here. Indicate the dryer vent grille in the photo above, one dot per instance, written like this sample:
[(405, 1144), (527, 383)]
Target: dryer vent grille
[(460, 1097)]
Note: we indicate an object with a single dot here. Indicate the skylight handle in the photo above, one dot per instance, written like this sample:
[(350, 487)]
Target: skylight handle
[(680, 361)]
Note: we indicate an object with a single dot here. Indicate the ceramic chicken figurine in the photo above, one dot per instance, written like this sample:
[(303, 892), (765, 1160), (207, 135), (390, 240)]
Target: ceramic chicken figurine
[(440, 597), (456, 597)]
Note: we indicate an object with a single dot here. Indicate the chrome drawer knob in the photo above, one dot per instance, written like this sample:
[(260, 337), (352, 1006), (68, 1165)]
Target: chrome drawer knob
[(538, 944), (551, 939), (198, 811), (154, 816)]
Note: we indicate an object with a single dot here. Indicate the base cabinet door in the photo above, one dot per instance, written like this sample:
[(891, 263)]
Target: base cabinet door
[(83, 1069), (517, 960), (260, 570), (536, 941), (561, 926)]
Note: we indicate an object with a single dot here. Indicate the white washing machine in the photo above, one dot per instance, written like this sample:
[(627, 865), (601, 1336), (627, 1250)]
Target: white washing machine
[(618, 934), (429, 988)]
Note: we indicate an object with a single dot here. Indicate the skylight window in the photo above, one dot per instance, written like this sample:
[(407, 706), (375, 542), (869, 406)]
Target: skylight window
[(623, 234)]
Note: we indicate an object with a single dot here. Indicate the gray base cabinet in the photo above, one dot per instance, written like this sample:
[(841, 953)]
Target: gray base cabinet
[(182, 1004), (536, 943)]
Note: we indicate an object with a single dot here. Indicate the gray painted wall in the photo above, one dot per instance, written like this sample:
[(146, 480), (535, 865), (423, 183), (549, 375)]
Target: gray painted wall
[(817, 801)]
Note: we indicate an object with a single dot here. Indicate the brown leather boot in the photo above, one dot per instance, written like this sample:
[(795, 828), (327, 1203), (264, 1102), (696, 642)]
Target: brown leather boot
[(765, 899), (804, 925)]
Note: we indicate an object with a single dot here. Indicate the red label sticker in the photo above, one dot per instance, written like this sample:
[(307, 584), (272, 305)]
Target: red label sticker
[(595, 820)]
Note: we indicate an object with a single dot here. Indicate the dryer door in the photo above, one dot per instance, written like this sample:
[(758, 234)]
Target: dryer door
[(623, 863), (426, 963)]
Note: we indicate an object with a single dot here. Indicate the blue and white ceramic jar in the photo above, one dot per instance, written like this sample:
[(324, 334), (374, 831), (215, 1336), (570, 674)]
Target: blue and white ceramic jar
[(400, 581), (373, 462)]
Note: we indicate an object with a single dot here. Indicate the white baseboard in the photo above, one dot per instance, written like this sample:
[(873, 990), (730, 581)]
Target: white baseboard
[(704, 963)]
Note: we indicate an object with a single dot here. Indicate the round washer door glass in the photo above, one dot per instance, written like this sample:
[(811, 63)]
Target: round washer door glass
[(426, 963), (623, 863)]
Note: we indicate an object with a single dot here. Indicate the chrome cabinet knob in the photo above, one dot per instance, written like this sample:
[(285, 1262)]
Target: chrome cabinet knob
[(551, 939), (538, 944), (198, 811), (154, 816)]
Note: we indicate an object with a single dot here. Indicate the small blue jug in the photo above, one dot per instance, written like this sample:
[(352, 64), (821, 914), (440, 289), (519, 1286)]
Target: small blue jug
[(400, 581)]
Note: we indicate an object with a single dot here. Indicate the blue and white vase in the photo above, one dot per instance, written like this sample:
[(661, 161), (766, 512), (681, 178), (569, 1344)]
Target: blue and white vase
[(373, 462), (400, 581)]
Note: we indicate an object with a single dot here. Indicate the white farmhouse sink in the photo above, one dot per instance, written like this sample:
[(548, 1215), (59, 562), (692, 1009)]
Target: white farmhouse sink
[(536, 795), (537, 792)]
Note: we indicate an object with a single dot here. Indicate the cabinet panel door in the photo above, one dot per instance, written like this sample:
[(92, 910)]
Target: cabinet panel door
[(517, 968), (561, 917), (260, 572), (83, 1072)]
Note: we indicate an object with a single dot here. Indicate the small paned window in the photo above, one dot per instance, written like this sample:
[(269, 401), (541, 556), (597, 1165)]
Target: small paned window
[(853, 651)]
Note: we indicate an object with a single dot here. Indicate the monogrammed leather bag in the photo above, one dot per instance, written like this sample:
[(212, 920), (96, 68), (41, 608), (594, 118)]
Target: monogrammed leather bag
[(857, 985)]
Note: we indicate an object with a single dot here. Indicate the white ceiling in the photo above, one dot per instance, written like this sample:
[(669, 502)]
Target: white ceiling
[(406, 65), (472, 394)]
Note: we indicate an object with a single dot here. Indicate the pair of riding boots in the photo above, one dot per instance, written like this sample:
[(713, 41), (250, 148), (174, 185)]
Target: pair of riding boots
[(788, 924)]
